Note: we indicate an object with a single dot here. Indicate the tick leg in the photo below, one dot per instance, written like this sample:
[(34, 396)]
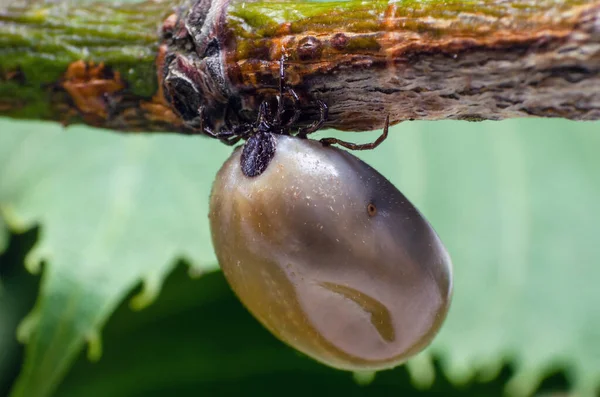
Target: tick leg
[(356, 146), (281, 74), (295, 108), (231, 141), (204, 129), (281, 101), (284, 128), (303, 132), (230, 137), (227, 137), (280, 110), (263, 113)]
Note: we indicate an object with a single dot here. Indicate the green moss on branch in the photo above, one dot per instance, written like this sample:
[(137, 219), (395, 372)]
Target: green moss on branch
[(39, 41)]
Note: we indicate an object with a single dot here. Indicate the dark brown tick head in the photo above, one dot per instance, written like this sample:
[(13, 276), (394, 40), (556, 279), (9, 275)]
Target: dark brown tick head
[(257, 153)]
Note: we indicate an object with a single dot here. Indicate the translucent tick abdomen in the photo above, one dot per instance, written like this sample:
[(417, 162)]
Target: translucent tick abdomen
[(330, 257)]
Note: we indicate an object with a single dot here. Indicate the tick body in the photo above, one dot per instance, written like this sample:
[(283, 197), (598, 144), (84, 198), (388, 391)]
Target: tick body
[(329, 256)]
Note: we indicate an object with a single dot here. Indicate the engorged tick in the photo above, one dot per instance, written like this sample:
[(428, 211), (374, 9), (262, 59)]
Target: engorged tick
[(260, 146)]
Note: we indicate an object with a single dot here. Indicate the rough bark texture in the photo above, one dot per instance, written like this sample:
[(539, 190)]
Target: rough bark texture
[(91, 63), (490, 59)]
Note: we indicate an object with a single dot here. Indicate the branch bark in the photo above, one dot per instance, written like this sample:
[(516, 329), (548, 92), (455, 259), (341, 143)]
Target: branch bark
[(150, 66), (82, 63)]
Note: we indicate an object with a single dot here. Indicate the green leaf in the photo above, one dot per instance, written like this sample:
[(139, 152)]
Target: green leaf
[(113, 211), (18, 290), (197, 339), (515, 202), (3, 235)]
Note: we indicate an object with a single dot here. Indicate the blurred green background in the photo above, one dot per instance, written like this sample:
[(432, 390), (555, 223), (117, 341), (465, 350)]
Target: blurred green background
[(106, 236)]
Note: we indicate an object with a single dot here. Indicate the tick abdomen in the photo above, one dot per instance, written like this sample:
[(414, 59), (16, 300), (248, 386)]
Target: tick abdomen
[(330, 256)]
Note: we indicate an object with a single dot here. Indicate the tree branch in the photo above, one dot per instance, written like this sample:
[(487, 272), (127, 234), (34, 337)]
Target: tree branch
[(151, 66), (84, 63)]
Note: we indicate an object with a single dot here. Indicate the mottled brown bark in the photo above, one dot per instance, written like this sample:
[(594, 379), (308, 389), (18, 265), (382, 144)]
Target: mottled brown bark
[(427, 60), (493, 61)]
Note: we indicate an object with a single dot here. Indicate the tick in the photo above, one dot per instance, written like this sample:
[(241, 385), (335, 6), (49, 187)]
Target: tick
[(330, 257)]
